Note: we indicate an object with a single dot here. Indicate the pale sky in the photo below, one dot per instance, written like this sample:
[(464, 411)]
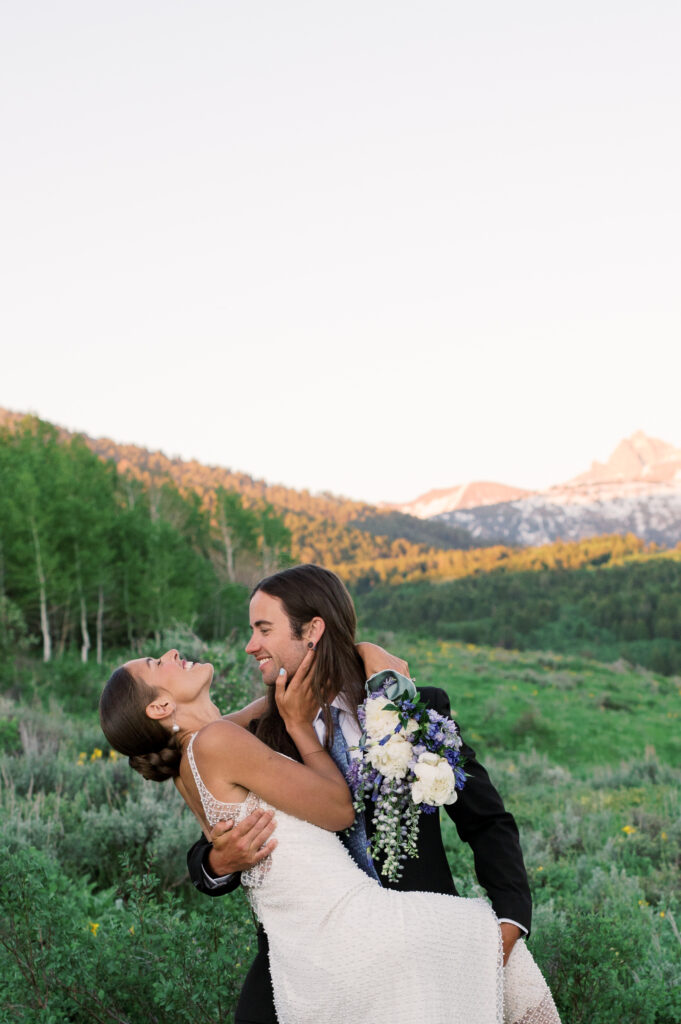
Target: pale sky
[(366, 247)]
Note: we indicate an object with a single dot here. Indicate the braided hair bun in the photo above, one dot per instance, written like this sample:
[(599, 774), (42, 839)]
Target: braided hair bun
[(159, 765)]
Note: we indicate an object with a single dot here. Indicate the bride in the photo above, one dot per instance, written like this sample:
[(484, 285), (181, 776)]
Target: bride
[(342, 948)]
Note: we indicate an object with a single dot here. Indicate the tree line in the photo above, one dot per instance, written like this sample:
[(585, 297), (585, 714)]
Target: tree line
[(630, 610), (404, 566), (93, 557)]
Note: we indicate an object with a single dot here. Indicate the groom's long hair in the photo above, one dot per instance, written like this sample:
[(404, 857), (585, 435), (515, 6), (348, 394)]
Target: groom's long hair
[(306, 591)]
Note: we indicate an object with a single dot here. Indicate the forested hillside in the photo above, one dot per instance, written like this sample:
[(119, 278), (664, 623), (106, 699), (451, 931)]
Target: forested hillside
[(324, 528), (94, 557), (606, 607)]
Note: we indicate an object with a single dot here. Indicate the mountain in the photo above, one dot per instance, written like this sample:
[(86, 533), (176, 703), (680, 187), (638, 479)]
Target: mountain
[(638, 490), (471, 495), (636, 459)]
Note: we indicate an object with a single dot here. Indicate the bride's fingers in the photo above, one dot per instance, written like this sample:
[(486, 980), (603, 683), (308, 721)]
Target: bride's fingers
[(303, 670), (280, 687), (294, 698)]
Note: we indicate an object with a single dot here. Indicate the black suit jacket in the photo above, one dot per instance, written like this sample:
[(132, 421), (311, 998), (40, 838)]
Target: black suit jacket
[(481, 821)]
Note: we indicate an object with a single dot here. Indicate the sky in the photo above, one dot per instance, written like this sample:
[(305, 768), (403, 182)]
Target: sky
[(372, 248)]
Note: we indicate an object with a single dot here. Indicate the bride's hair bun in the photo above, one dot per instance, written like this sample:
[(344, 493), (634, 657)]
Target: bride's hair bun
[(158, 765)]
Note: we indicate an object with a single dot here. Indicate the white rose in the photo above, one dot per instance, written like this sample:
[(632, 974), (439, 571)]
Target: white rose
[(392, 758), (435, 783), (380, 723)]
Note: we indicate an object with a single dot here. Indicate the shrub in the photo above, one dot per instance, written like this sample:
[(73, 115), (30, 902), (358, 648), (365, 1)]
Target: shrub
[(133, 956)]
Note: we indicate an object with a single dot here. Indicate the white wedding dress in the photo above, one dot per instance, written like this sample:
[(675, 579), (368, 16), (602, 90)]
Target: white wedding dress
[(344, 950)]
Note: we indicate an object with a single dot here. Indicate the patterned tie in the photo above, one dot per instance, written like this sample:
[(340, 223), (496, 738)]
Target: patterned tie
[(355, 841)]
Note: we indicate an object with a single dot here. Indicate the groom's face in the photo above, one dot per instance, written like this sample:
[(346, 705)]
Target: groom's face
[(272, 642)]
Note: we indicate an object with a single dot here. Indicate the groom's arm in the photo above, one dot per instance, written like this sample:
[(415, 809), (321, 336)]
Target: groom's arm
[(483, 822), (215, 867)]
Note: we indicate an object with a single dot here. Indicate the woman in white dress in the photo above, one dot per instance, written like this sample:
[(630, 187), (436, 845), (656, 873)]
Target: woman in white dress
[(343, 950)]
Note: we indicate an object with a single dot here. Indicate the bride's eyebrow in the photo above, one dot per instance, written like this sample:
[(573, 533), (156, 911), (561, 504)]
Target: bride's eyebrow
[(149, 662)]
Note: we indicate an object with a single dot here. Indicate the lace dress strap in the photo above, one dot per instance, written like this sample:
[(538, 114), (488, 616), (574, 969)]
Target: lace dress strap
[(214, 809), (217, 810)]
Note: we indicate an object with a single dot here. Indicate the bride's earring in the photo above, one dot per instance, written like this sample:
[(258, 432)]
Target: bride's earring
[(175, 728)]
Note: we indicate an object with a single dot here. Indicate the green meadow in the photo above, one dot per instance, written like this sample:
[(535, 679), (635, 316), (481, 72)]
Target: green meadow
[(98, 921)]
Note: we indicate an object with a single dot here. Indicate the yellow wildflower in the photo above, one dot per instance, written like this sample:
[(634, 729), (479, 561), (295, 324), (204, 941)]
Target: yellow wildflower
[(628, 829), (94, 927), (131, 929), (663, 835), (113, 755), (96, 754), (662, 913), (540, 868)]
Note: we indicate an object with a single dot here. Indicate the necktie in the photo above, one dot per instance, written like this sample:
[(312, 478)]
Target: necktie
[(355, 841)]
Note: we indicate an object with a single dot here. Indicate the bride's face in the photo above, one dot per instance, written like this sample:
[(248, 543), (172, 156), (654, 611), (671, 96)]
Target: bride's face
[(183, 679)]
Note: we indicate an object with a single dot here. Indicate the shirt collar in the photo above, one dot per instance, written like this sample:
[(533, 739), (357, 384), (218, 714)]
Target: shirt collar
[(340, 702)]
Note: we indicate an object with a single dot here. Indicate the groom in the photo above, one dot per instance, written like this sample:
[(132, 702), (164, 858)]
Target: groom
[(292, 612)]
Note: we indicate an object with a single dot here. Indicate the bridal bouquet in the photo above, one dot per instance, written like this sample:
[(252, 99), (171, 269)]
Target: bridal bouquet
[(409, 763)]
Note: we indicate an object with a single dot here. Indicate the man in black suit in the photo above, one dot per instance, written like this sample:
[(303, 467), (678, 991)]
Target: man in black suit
[(307, 609)]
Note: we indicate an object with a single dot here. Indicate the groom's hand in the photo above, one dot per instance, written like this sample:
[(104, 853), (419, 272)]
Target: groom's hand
[(510, 933), (240, 847)]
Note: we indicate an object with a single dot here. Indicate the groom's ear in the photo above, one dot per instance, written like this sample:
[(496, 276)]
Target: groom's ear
[(314, 630)]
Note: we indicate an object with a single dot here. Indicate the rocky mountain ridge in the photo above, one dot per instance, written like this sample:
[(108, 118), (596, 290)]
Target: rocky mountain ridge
[(638, 490), (639, 465)]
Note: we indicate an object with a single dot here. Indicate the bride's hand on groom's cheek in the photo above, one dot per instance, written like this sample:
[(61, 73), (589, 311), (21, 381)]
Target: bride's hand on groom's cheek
[(376, 659), (297, 704), (240, 847)]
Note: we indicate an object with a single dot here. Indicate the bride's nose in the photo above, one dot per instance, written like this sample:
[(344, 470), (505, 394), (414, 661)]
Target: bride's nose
[(171, 655)]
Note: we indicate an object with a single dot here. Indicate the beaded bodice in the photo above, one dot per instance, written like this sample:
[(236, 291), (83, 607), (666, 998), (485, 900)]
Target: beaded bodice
[(217, 810)]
